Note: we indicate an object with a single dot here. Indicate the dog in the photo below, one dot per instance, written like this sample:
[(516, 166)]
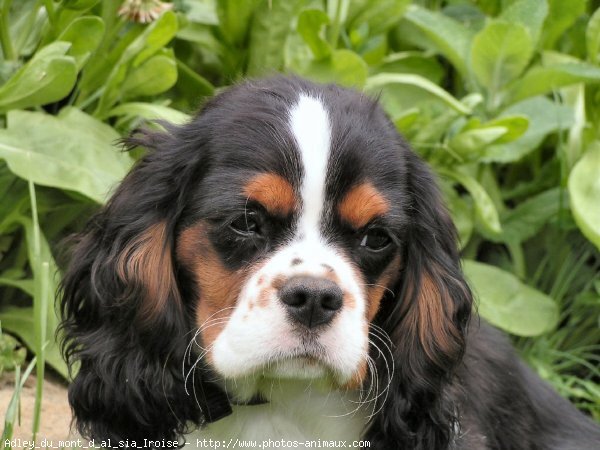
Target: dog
[(283, 267)]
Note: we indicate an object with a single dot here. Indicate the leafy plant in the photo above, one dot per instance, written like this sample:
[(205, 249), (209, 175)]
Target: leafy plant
[(12, 354), (501, 97)]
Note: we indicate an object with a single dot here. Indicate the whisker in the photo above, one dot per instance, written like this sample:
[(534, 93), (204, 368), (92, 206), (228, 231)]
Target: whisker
[(201, 355), (390, 372), (381, 286)]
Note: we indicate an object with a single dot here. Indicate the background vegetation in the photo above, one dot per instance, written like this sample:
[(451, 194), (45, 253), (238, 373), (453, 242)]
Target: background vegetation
[(501, 97)]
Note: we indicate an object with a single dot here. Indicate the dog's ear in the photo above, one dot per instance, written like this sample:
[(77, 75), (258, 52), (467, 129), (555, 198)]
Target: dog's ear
[(124, 319), (426, 320)]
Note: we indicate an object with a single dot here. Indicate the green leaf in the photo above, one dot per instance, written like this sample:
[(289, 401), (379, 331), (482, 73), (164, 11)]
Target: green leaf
[(561, 16), (470, 143), (516, 126), (234, 18), (12, 415), (297, 55), (509, 304), (14, 198), (413, 62), (434, 130), (72, 151), (154, 76), (191, 83), (311, 26), (500, 52), (524, 221), (20, 322), (271, 25), (406, 120), (45, 276), (343, 66), (530, 13), (378, 81), (484, 206), (202, 12), (450, 37), (158, 34), (203, 36), (584, 191), (475, 137), (149, 111), (545, 117), (380, 16), (592, 37), (48, 77), (79, 5), (462, 214), (26, 285), (84, 34), (42, 324), (102, 63), (373, 50), (12, 354), (541, 80)]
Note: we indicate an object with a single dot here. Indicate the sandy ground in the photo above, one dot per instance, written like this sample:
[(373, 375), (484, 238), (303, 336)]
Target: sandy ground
[(56, 413)]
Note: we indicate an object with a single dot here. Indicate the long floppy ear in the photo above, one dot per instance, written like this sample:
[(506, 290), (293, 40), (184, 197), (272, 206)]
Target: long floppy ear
[(426, 321), (124, 319)]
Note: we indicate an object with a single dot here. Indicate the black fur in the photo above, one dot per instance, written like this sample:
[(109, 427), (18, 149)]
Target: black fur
[(457, 385), (423, 417)]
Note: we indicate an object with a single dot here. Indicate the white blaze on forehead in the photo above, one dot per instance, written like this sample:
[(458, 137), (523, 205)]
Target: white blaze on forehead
[(310, 126)]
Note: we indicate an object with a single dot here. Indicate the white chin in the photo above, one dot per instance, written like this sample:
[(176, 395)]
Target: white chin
[(296, 368)]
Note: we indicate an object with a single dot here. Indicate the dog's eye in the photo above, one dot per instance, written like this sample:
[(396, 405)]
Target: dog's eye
[(246, 224), (375, 239)]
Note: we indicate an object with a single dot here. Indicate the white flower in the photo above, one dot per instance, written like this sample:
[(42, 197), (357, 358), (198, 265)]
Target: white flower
[(143, 11)]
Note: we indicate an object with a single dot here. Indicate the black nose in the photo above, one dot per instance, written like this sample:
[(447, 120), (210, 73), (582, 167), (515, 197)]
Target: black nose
[(311, 301)]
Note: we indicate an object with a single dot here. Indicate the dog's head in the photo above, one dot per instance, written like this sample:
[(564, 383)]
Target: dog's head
[(287, 231)]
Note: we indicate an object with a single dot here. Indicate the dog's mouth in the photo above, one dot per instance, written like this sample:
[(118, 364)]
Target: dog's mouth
[(308, 361)]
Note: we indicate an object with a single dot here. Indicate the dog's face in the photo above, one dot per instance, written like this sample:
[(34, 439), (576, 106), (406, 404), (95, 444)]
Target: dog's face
[(292, 235), (272, 236)]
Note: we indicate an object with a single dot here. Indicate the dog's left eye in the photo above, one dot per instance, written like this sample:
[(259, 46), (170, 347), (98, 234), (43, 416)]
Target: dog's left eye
[(375, 239), (246, 224)]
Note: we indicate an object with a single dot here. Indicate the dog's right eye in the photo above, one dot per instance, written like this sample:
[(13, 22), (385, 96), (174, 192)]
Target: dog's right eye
[(247, 224)]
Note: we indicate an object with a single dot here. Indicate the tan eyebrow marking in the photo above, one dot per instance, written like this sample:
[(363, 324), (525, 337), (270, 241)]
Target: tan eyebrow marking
[(362, 204), (273, 192)]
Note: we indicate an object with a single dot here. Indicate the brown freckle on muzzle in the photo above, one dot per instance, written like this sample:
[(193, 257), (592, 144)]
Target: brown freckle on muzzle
[(332, 276), (263, 298), (327, 267), (349, 300), (279, 281)]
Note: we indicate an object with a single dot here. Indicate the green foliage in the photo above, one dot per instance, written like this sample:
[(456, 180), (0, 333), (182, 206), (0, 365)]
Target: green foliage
[(47, 77), (12, 354), (71, 150), (584, 188), (510, 304), (501, 97)]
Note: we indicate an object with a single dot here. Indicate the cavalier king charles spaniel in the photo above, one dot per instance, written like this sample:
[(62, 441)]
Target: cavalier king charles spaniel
[(283, 267)]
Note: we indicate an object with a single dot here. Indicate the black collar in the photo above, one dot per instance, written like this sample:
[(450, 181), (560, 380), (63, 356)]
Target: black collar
[(216, 405)]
